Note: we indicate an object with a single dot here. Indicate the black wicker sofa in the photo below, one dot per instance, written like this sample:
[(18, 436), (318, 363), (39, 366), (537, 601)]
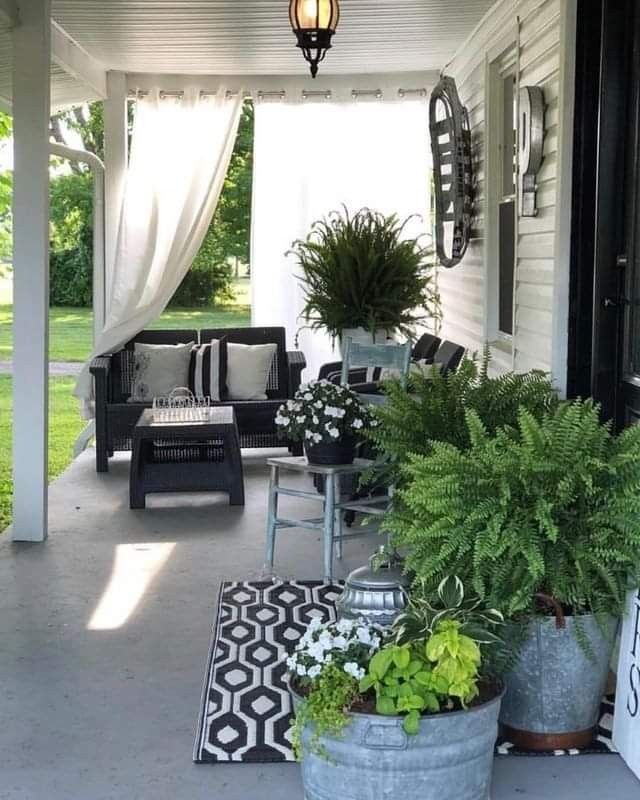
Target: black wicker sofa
[(113, 375)]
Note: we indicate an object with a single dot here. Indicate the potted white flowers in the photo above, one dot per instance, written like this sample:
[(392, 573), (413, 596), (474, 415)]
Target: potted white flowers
[(408, 712), (327, 419)]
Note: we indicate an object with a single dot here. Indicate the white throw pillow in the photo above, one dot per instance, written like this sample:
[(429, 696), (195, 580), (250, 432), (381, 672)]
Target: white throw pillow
[(159, 368), (248, 368)]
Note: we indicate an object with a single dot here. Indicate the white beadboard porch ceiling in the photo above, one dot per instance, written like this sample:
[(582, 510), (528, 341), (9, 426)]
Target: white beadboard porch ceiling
[(240, 37)]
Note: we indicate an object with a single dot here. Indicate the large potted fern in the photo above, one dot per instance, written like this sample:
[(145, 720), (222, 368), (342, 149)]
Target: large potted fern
[(363, 277), (434, 408), (542, 519)]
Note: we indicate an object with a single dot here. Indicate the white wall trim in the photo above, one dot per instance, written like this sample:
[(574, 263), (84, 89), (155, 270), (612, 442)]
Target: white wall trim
[(76, 61), (562, 239)]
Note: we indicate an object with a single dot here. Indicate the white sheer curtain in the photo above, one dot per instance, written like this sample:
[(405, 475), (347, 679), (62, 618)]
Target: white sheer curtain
[(180, 152), (310, 158)]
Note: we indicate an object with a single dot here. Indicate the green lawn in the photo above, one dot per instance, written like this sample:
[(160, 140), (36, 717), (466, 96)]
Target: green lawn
[(70, 332), (64, 426)]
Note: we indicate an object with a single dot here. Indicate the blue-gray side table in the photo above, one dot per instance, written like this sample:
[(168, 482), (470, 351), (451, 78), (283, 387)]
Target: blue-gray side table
[(330, 523)]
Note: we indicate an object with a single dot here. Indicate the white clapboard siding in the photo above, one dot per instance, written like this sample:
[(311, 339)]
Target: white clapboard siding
[(540, 57)]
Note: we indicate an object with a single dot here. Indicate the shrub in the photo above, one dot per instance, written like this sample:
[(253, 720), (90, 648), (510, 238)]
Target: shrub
[(71, 244)]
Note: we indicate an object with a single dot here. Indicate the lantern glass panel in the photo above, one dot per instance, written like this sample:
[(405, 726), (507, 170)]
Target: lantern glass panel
[(322, 14)]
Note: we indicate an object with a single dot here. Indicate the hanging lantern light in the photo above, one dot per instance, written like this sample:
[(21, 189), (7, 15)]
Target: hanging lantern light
[(314, 22)]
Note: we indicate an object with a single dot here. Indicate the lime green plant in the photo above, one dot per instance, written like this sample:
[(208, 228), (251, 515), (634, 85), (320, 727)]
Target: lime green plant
[(361, 270), (425, 676)]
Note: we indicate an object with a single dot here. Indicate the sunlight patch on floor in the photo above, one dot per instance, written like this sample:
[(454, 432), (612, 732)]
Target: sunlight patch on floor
[(135, 566)]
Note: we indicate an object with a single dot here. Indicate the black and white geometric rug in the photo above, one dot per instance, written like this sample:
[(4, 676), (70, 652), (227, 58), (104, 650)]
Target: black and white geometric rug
[(246, 709)]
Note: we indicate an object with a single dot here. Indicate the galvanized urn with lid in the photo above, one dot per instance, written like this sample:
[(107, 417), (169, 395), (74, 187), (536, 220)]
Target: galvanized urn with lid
[(376, 592)]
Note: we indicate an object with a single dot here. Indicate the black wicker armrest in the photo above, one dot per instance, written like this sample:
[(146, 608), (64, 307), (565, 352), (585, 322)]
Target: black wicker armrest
[(100, 368), (100, 365), (327, 370), (297, 362)]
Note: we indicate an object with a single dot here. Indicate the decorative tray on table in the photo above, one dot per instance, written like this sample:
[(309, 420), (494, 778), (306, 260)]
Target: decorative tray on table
[(181, 405)]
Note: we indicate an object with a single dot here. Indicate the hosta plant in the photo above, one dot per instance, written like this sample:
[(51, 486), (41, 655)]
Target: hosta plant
[(549, 507), (321, 412), (424, 612), (361, 270)]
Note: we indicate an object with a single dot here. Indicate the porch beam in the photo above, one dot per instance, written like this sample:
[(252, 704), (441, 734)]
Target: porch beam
[(9, 16), (75, 61), (31, 91)]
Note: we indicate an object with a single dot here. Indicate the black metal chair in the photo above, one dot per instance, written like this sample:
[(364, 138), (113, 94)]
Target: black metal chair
[(426, 347), (114, 372), (423, 350), (448, 356)]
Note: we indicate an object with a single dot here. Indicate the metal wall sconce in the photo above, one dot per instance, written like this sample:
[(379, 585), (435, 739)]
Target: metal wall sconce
[(531, 150), (314, 22)]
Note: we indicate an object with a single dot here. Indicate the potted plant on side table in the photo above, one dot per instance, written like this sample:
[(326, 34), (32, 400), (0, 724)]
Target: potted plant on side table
[(363, 278), (329, 420), (410, 713), (542, 519)]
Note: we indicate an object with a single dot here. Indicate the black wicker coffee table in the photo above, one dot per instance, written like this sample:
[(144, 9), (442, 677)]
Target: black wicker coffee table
[(186, 457)]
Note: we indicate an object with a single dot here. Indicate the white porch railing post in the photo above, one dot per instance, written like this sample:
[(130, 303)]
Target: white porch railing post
[(115, 165), (31, 87)]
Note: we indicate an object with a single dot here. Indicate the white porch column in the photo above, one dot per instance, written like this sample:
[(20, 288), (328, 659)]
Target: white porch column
[(31, 68), (115, 165)]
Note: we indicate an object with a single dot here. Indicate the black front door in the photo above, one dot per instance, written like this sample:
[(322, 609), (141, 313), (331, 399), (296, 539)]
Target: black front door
[(628, 262), (604, 328)]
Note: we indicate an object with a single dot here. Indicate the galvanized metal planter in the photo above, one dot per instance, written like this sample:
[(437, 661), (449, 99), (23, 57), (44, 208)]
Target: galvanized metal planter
[(451, 758), (553, 694)]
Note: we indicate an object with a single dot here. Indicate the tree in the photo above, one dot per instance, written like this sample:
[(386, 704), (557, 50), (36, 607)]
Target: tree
[(209, 279), (71, 209), (71, 240)]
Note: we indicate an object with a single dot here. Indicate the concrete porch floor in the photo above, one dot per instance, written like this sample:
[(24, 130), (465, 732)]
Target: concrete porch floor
[(110, 714)]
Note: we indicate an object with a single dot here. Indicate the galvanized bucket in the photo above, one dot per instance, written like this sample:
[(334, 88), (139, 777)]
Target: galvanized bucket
[(451, 758), (554, 692)]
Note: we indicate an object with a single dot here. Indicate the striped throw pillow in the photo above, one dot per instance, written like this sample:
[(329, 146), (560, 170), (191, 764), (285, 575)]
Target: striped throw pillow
[(208, 370)]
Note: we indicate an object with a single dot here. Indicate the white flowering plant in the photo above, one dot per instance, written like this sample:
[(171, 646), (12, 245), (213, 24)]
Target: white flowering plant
[(321, 412), (326, 668), (348, 644)]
